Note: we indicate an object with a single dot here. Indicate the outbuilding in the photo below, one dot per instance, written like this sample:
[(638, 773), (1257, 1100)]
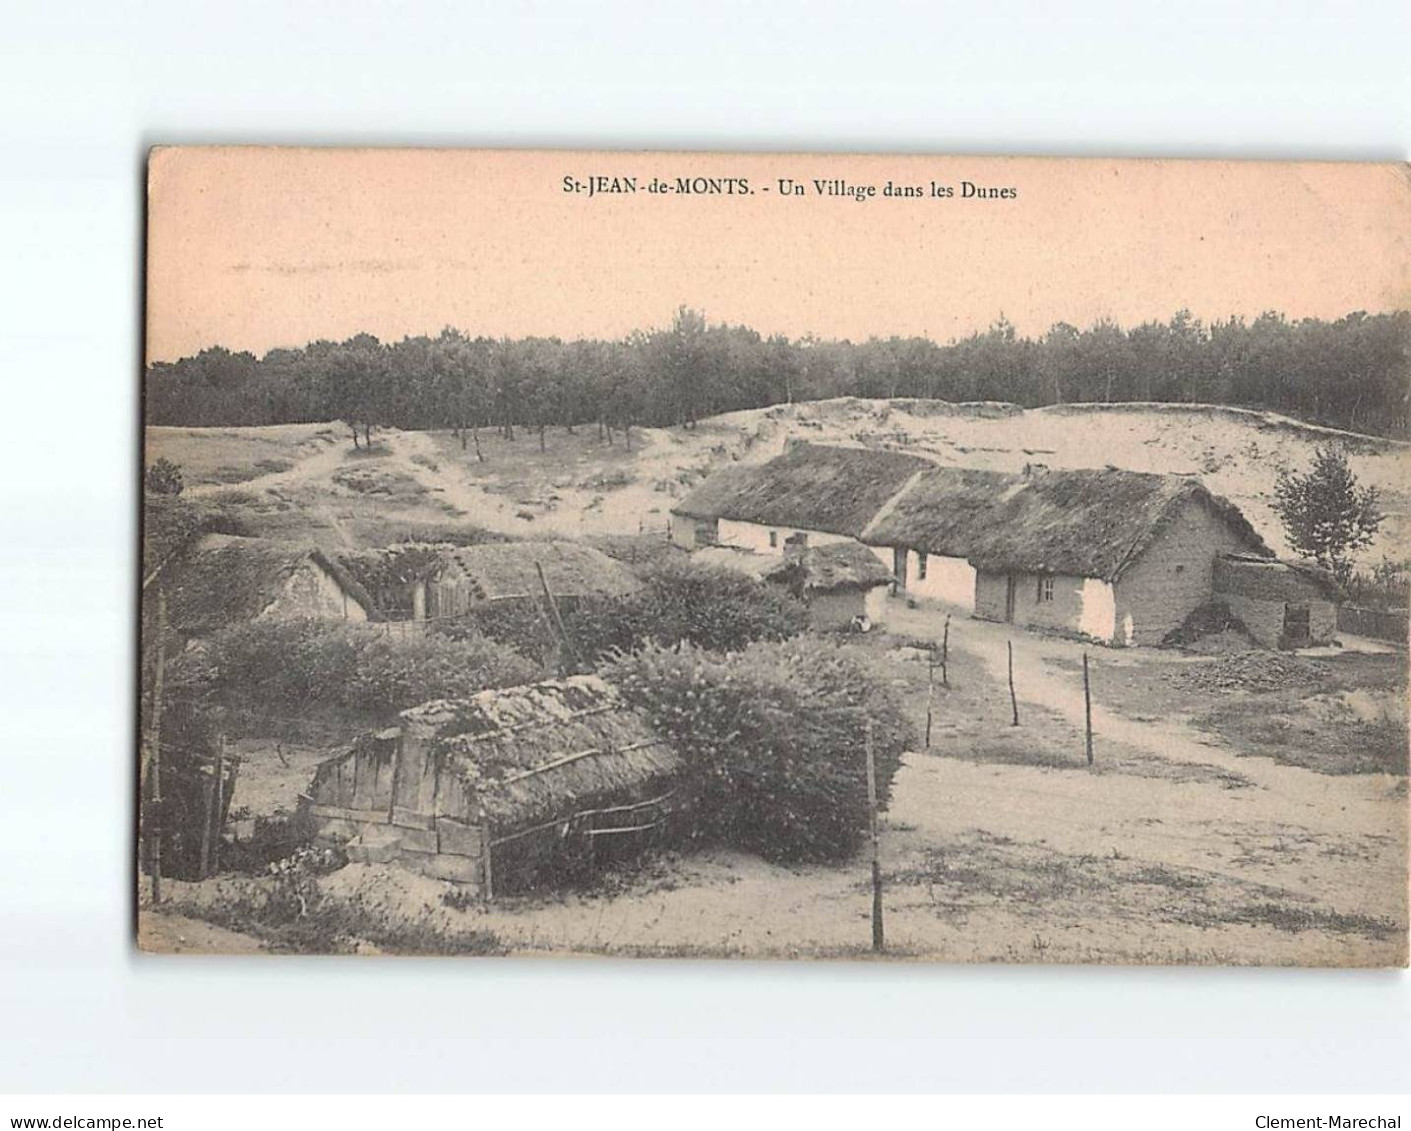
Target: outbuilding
[(841, 583), (506, 790), (1282, 604), (226, 580), (468, 577)]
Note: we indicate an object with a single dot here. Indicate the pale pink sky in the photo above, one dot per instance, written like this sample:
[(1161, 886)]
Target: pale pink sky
[(257, 248)]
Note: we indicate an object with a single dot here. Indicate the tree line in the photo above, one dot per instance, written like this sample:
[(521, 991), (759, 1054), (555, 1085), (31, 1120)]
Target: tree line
[(1352, 373)]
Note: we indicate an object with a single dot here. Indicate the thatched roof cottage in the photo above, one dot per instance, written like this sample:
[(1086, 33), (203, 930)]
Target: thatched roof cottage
[(813, 494), (471, 576), (225, 580), (503, 790), (1119, 556)]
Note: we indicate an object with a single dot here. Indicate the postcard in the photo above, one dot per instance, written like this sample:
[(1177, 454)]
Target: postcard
[(957, 559)]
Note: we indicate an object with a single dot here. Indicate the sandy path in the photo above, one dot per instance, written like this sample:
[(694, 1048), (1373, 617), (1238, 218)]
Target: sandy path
[(166, 932), (1339, 840)]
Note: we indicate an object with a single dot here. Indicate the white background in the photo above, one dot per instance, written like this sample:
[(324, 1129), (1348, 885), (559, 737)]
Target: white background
[(87, 86)]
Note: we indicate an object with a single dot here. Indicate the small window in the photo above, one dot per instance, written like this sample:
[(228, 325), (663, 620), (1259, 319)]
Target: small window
[(920, 566), (1045, 588), (774, 539)]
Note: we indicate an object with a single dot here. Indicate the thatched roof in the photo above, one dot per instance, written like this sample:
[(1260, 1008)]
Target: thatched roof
[(744, 561), (943, 511), (1272, 579), (535, 753), (830, 569), (225, 580), (1092, 523), (809, 487), (499, 570)]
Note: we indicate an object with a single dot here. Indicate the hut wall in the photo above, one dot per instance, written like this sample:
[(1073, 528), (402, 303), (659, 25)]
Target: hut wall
[(989, 595), (388, 802), (836, 609), (1173, 575), (1079, 604), (874, 605), (1264, 617), (755, 536), (1064, 611), (947, 579), (682, 531), (311, 591)]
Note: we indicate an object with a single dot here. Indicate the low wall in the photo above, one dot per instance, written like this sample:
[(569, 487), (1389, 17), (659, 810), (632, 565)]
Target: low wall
[(1377, 623)]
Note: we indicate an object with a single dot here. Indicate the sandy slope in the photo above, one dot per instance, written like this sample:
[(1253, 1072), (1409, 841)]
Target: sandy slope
[(565, 491)]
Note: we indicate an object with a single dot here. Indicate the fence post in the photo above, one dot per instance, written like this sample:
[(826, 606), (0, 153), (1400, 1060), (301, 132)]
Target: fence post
[(1013, 699), (878, 940), (930, 693), (220, 802), (1087, 708), (154, 808), (945, 654), (208, 796)]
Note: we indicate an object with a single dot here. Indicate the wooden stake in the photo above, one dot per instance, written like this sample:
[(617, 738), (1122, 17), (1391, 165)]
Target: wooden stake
[(945, 653), (208, 799), (220, 803), (1013, 699), (1088, 708), (487, 887), (570, 660), (878, 939), (930, 693), (153, 829)]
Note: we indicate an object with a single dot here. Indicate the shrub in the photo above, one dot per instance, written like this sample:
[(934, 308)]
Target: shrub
[(393, 673), (714, 608), (291, 665), (163, 478), (774, 741), (717, 609), (519, 625)]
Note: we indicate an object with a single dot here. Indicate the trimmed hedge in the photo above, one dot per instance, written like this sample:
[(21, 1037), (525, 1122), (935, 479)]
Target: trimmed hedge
[(773, 738)]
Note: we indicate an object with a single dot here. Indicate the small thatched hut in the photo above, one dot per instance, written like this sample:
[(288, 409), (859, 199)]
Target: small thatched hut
[(471, 576), (503, 790), (1282, 604), (812, 494), (225, 580), (840, 582)]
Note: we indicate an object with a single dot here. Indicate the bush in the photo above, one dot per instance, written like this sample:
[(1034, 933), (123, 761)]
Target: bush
[(291, 665), (519, 625), (717, 609), (714, 608), (393, 673), (774, 741), (163, 478)]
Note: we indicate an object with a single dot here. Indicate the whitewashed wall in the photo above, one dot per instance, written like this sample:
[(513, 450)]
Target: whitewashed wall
[(951, 580), (755, 536)]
